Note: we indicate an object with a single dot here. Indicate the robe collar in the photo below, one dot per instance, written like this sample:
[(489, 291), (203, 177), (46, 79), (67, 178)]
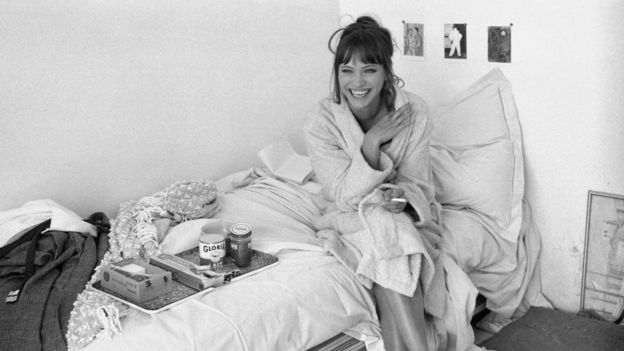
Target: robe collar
[(350, 128)]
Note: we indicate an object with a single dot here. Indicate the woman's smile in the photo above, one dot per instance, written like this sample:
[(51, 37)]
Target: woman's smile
[(359, 93)]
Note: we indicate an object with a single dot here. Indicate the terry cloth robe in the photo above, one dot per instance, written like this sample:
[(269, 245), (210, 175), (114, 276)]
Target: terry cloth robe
[(379, 246), (334, 140)]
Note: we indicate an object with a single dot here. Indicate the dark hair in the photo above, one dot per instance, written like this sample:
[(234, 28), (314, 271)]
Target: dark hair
[(372, 44)]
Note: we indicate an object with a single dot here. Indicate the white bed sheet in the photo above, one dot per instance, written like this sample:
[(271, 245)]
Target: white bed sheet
[(305, 299)]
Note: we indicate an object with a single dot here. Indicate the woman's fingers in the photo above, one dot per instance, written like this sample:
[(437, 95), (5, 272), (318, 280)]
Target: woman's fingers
[(394, 205), (403, 110), (397, 192), (394, 200), (392, 123), (387, 194), (400, 117)]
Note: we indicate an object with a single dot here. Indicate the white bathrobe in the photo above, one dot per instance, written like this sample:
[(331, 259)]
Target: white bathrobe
[(334, 140)]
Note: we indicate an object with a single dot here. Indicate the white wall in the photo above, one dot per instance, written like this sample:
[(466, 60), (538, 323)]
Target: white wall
[(568, 80), (105, 101)]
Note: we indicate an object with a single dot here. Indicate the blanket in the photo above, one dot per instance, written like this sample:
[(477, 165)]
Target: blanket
[(506, 273), (305, 299), (62, 262)]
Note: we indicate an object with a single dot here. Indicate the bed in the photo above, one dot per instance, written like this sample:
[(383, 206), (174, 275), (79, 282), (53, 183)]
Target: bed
[(307, 290), (309, 297)]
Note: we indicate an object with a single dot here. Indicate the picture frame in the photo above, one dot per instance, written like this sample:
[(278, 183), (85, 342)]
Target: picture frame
[(455, 41), (414, 41), (499, 44), (602, 284)]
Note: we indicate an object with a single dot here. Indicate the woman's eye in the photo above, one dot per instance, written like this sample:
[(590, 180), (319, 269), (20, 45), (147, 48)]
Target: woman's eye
[(371, 70)]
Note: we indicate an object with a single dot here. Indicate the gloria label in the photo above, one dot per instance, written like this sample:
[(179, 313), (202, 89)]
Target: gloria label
[(212, 249)]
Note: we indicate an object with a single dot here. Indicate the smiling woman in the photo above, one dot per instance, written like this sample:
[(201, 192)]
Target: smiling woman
[(369, 144)]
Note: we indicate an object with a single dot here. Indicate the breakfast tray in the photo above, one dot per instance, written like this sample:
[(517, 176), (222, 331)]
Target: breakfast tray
[(180, 292)]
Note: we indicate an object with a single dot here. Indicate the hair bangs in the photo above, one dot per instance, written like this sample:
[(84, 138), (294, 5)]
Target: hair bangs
[(361, 47)]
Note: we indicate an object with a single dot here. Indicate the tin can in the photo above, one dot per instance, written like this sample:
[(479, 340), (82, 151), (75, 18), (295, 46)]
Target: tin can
[(211, 250), (240, 244)]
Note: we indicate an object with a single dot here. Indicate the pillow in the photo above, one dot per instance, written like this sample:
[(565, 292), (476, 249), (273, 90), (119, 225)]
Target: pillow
[(474, 120), (479, 178), (477, 158)]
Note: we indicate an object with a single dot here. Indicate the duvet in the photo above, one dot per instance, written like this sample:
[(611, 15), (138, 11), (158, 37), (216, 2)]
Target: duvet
[(305, 299)]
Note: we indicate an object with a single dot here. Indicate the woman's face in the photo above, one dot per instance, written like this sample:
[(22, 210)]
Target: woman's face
[(361, 84)]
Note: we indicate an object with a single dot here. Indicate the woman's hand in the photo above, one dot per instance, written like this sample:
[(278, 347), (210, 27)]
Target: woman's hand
[(383, 131), (388, 126), (394, 200)]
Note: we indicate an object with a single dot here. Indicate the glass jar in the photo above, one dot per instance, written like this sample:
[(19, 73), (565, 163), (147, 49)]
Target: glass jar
[(240, 244)]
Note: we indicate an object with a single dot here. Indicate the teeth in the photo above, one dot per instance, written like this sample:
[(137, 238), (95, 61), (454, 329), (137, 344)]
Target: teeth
[(359, 93)]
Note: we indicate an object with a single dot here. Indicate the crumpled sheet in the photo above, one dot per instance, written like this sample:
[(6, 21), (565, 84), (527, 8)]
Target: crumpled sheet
[(305, 299), (507, 273)]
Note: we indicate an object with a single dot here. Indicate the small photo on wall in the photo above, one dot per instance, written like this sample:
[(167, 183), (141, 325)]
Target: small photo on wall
[(455, 41), (499, 44), (413, 40)]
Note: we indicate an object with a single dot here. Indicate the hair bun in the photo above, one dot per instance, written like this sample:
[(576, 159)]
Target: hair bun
[(367, 21)]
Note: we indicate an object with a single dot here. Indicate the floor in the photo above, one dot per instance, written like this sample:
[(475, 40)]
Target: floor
[(553, 330), (482, 335)]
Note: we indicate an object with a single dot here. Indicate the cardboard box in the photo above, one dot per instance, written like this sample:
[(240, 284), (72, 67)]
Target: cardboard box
[(136, 280), (187, 272)]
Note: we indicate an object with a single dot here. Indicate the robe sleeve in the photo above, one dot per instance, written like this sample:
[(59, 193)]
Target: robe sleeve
[(346, 178), (414, 173)]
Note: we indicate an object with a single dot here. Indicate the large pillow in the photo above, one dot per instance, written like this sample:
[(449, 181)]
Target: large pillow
[(477, 157)]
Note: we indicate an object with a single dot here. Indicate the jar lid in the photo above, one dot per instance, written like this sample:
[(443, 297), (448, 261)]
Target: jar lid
[(211, 238), (241, 230)]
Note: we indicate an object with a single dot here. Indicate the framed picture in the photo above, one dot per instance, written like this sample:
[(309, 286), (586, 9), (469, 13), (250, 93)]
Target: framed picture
[(455, 41), (499, 44), (414, 40), (603, 258)]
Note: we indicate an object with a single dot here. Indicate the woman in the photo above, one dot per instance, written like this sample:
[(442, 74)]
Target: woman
[(372, 135)]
